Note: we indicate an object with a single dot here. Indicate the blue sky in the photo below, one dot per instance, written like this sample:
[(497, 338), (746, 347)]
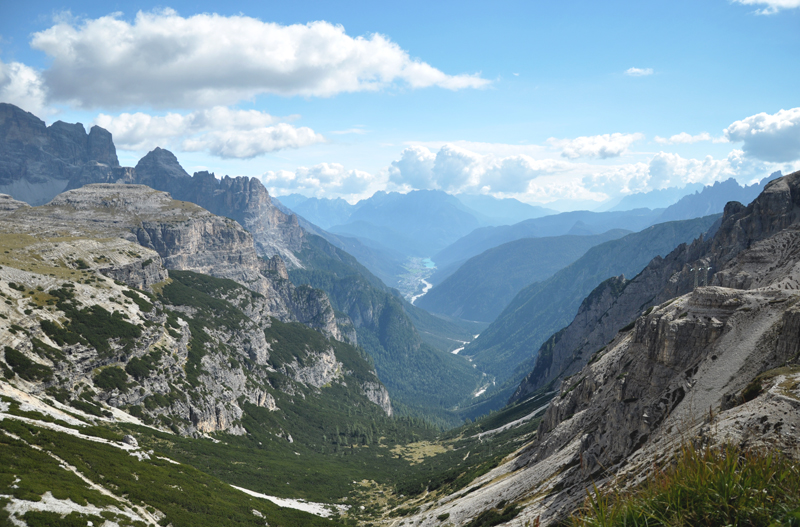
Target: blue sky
[(567, 103)]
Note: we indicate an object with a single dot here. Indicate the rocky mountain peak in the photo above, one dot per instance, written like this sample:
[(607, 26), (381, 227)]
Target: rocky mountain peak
[(159, 163)]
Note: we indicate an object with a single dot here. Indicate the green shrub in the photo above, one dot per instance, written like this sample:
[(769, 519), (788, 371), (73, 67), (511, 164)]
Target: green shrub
[(26, 368), (110, 378)]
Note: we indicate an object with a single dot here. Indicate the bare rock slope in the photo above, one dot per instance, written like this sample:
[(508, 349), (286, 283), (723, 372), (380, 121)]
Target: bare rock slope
[(680, 370), (92, 318)]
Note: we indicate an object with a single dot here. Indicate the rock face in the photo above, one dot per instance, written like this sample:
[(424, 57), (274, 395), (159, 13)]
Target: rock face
[(242, 199), (191, 352), (679, 371), (186, 237), (704, 262), (38, 161)]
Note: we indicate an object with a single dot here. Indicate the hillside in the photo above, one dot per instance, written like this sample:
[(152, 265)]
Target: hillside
[(713, 360), (482, 287), (584, 222), (508, 346)]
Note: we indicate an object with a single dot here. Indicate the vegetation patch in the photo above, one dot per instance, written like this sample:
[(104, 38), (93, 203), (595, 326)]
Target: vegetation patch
[(26, 368), (724, 486), (91, 326), (112, 378)]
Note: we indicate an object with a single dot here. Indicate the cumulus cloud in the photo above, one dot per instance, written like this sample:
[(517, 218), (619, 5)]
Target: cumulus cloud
[(165, 60), (459, 170), (771, 6), (638, 72), (324, 180), (602, 146), (220, 131), (456, 170), (768, 137), (684, 138), (22, 86)]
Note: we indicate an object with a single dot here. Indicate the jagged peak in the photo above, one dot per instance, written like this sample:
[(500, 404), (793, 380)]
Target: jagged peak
[(160, 162)]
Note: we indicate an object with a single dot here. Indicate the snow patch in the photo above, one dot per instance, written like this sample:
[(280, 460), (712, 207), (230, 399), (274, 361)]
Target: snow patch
[(51, 504), (318, 509)]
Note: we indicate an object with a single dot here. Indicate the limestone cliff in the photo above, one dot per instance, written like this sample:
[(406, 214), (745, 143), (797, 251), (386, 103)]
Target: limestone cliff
[(38, 161), (716, 358), (92, 318), (242, 199), (618, 302), (185, 236)]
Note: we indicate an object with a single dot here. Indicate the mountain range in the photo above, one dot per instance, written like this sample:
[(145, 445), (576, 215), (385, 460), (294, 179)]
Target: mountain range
[(177, 350), (485, 284)]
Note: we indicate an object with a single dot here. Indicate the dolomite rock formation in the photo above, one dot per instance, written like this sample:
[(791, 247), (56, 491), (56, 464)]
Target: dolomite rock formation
[(38, 161), (242, 199), (678, 372), (617, 302), (186, 237), (67, 249)]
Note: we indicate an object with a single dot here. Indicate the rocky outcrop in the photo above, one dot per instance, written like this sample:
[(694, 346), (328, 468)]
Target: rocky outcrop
[(186, 237), (703, 262), (191, 354), (9, 204), (377, 393), (685, 368), (39, 161), (242, 199)]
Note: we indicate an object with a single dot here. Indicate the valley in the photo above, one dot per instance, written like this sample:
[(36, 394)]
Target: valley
[(185, 350)]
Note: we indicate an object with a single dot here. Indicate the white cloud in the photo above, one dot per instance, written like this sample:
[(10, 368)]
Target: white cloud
[(324, 180), (22, 86), (165, 60), (772, 6), (414, 168), (220, 131), (638, 72), (768, 137), (456, 169), (684, 138), (602, 146)]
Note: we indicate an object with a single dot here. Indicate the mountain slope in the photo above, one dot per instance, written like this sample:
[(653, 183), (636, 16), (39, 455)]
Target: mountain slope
[(485, 284), (418, 223), (424, 379), (37, 161), (509, 345), (714, 362), (485, 238), (712, 199)]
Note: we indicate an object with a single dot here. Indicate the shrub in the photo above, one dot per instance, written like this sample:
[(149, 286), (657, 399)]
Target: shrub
[(110, 378), (26, 368)]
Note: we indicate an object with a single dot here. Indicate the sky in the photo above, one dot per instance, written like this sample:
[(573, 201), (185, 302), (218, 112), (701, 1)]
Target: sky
[(571, 104)]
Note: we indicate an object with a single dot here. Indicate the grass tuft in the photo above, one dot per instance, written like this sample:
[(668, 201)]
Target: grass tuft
[(724, 486)]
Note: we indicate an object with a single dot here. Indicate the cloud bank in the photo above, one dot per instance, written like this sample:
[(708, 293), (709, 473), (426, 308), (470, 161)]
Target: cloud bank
[(220, 131), (164, 60), (22, 86), (771, 6), (768, 137), (456, 169), (598, 146)]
